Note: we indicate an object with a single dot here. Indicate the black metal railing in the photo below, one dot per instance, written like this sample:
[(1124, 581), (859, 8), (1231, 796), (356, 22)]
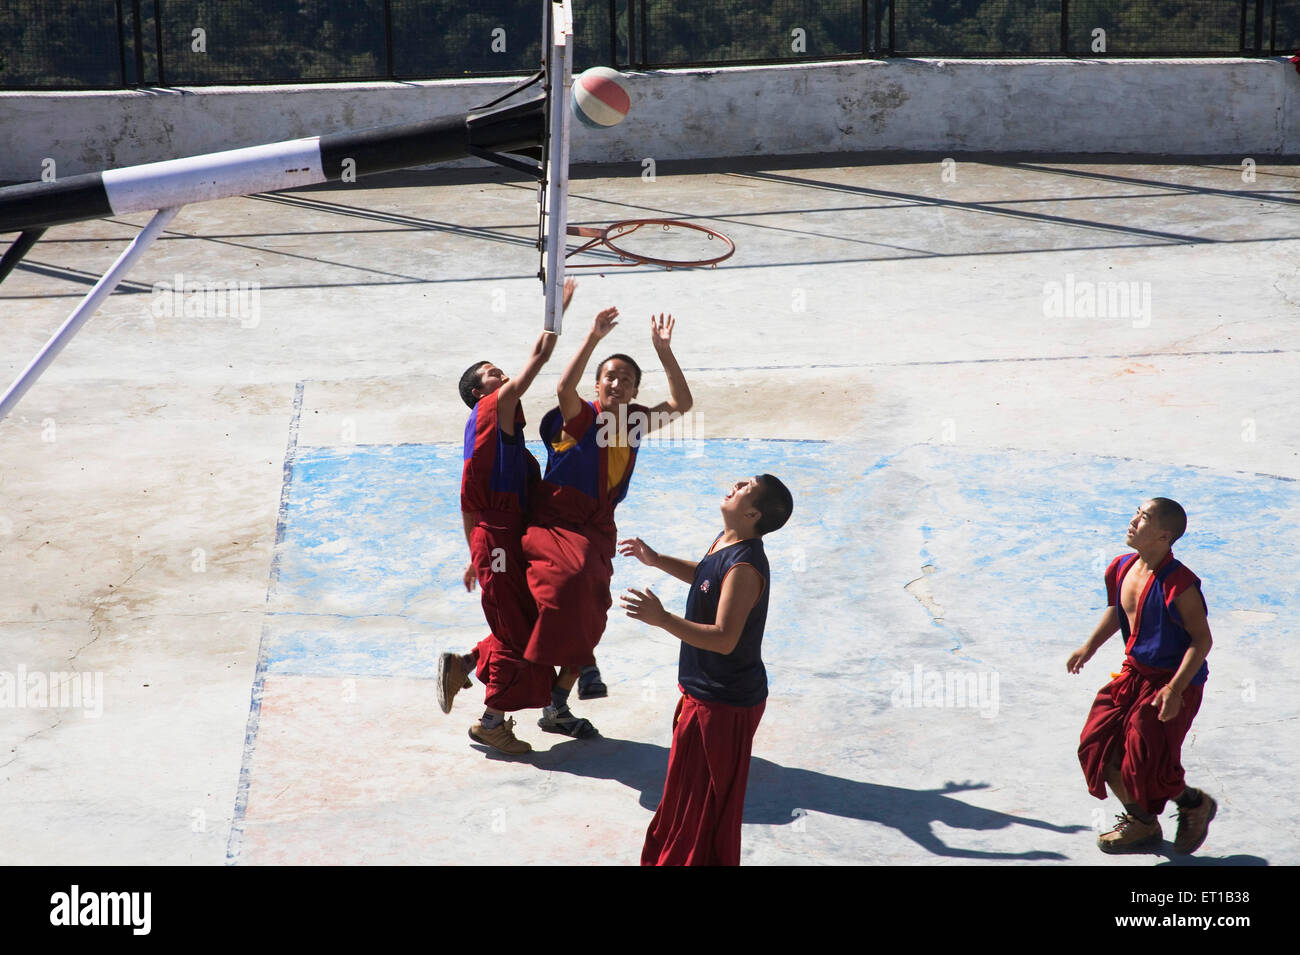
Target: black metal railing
[(106, 44)]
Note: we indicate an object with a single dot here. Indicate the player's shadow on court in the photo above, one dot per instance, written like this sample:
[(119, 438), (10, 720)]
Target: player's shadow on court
[(1203, 861), (781, 795)]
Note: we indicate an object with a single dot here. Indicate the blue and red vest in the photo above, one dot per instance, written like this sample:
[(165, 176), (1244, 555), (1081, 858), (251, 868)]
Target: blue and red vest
[(575, 489), (499, 469), (1160, 641), (737, 678)]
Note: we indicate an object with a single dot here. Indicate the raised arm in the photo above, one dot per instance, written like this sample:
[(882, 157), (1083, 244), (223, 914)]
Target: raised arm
[(514, 388), (567, 389), (683, 570), (1106, 628), (741, 588), (679, 393)]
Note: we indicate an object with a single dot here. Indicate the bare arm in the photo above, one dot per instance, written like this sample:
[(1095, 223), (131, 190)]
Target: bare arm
[(567, 389), (1106, 628), (741, 589), (1191, 608), (513, 390), (683, 570), (679, 400), (469, 518)]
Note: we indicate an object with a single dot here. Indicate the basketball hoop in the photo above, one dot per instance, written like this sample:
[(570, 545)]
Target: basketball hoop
[(669, 243)]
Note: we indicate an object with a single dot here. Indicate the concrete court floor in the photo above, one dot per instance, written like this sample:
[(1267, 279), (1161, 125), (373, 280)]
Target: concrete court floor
[(200, 509)]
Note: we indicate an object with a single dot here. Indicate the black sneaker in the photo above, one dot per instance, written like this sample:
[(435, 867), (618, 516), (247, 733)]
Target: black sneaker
[(590, 686), (566, 724)]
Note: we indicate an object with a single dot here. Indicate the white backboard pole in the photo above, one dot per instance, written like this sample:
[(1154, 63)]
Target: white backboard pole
[(559, 47), (103, 288)]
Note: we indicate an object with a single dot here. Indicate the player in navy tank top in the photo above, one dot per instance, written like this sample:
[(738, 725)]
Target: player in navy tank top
[(737, 678), (720, 673)]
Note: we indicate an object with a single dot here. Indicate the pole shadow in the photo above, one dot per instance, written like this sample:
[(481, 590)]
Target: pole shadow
[(778, 795)]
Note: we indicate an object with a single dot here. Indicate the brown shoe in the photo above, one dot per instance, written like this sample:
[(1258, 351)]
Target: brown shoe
[(1131, 835), (501, 739), (1194, 825), (451, 679)]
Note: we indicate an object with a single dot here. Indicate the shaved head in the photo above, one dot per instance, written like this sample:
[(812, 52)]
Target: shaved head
[(1169, 517)]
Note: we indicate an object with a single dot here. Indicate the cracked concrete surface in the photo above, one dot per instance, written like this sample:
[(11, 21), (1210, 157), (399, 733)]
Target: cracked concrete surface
[(959, 457)]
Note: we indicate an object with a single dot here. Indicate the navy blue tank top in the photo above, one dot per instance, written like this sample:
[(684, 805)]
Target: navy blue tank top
[(737, 678)]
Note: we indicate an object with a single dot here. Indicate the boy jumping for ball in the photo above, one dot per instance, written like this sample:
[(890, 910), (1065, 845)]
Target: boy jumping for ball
[(498, 476), (591, 450), (1133, 737), (720, 673)]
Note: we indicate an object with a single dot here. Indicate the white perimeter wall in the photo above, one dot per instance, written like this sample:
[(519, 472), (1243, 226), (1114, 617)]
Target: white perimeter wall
[(1226, 107)]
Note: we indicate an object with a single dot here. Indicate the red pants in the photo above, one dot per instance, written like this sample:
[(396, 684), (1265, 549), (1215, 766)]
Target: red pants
[(513, 683), (569, 571), (1123, 723), (698, 819)]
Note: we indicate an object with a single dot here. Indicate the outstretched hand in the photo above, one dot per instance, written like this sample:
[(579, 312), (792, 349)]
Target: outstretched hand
[(644, 607), (661, 331), (570, 286), (544, 345), (636, 547), (1077, 659), (604, 322)]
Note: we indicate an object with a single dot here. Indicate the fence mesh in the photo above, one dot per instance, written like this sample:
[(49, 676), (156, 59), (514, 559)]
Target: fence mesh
[(670, 33), (82, 44), (270, 41), (977, 27), (1286, 35), (60, 44), (1154, 27)]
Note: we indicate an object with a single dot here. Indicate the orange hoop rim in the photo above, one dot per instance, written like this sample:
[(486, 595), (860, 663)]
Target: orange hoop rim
[(616, 230)]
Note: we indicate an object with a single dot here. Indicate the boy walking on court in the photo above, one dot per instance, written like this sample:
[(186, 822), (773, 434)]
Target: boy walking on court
[(591, 449), (498, 476), (720, 673), (1132, 740)]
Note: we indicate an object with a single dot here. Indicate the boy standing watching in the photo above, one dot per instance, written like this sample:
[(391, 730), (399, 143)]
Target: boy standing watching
[(1133, 737), (720, 673)]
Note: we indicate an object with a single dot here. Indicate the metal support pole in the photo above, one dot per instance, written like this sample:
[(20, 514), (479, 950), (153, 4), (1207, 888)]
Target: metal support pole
[(613, 34), (103, 288), (121, 44), (137, 34), (388, 40), (22, 245), (158, 40)]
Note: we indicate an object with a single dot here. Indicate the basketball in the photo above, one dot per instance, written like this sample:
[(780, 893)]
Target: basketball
[(599, 98)]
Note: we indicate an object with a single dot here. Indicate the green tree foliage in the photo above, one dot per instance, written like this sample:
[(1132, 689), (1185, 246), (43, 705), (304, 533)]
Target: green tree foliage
[(58, 43)]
